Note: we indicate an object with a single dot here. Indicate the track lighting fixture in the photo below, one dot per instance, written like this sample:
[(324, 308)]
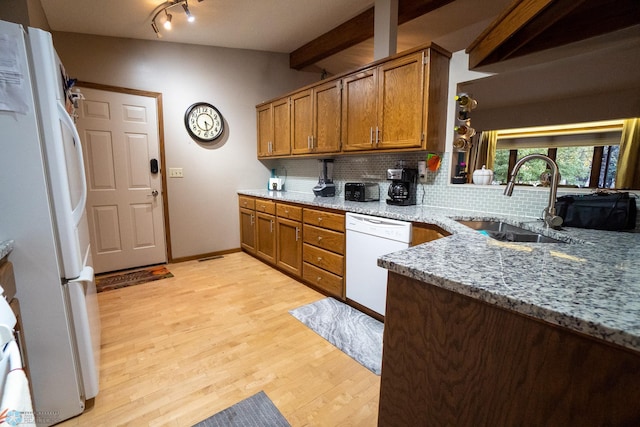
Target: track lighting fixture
[(187, 12), (156, 30), (168, 17)]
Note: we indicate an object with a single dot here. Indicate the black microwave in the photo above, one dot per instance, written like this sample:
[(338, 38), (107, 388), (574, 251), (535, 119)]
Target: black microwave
[(361, 191)]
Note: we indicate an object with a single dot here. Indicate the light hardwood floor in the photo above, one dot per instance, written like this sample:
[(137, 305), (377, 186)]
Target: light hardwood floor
[(178, 350)]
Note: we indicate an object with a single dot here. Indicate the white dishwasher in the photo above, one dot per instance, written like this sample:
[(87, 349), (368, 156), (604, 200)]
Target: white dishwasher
[(368, 238)]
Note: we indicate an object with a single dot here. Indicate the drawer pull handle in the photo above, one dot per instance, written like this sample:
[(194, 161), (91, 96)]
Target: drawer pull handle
[(319, 238), (319, 258), (318, 279), (319, 219)]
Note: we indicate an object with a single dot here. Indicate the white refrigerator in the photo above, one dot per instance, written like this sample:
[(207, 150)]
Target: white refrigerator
[(42, 208)]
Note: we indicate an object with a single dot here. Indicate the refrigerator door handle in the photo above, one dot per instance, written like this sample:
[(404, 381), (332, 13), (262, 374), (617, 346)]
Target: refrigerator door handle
[(79, 210), (85, 277), (85, 316)]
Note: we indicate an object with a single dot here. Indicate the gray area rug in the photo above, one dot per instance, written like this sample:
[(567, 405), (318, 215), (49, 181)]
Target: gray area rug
[(353, 332), (257, 410)]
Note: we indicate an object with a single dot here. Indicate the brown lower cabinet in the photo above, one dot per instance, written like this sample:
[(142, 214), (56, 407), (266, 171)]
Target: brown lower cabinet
[(289, 238), (323, 251), (451, 360), (247, 224)]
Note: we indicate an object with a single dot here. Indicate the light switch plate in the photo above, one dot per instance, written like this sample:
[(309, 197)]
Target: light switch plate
[(175, 173)]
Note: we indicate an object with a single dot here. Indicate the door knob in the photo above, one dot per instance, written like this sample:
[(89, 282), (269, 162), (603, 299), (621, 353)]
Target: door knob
[(154, 193)]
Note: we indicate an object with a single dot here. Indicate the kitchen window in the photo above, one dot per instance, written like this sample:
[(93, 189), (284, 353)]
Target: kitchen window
[(586, 154)]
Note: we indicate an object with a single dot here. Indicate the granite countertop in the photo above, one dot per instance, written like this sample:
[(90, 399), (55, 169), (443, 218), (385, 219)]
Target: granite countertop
[(6, 246), (590, 284)]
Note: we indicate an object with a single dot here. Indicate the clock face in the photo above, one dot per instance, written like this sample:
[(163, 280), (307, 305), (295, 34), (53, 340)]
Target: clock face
[(203, 122)]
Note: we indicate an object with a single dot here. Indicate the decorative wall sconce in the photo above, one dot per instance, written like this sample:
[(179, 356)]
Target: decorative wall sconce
[(168, 17)]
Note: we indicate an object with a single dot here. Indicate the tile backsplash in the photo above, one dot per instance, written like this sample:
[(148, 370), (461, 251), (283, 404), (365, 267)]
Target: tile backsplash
[(302, 175)]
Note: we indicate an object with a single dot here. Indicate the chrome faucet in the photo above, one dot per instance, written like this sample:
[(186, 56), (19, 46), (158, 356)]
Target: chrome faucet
[(550, 217)]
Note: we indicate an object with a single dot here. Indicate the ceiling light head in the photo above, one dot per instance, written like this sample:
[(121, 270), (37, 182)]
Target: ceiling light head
[(167, 22), (155, 29), (190, 17)]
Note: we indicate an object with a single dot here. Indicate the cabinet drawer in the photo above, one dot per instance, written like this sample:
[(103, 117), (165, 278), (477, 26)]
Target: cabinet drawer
[(289, 211), (322, 279), (332, 221), (325, 239), (247, 202), (324, 259), (265, 206)]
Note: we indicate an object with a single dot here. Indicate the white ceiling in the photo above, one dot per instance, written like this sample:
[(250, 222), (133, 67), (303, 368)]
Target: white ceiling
[(269, 25)]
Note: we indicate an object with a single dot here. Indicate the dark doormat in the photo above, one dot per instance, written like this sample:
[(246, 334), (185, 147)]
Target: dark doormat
[(257, 410), (122, 280)]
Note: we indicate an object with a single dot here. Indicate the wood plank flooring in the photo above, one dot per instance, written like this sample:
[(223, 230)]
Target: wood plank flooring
[(178, 350)]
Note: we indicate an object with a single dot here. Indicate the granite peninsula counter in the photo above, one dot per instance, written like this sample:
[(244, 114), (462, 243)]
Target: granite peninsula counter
[(590, 285)]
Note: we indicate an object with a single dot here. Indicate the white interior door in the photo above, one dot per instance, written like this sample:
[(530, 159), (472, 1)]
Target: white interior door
[(119, 132)]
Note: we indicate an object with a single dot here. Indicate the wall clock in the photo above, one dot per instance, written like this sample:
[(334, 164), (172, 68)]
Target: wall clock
[(203, 122)]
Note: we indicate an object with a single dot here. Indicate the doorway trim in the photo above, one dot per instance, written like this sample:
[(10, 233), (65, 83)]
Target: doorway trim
[(158, 98)]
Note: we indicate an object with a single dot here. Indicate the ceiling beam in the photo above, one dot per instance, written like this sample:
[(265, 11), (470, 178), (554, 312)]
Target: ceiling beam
[(530, 26), (354, 31)]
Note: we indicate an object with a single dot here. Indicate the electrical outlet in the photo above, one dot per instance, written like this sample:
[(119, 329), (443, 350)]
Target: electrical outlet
[(175, 173)]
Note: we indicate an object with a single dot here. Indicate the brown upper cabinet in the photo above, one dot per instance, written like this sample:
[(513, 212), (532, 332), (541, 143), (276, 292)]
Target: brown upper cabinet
[(315, 119), (384, 105), (396, 104), (273, 128)]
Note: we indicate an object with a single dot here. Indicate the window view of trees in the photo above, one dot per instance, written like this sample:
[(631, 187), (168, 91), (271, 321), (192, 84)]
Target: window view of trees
[(575, 165)]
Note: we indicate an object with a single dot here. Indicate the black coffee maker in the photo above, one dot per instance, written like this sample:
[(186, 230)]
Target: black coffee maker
[(404, 182)]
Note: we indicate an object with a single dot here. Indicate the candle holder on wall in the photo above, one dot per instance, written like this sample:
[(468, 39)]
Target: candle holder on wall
[(462, 142), (463, 130)]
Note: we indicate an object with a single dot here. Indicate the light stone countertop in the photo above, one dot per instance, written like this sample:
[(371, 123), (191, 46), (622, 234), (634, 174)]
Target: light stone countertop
[(590, 285), (6, 246)]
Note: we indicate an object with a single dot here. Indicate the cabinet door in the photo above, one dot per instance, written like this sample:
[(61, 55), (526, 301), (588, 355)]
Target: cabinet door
[(322, 279), (281, 139), (359, 111), (301, 122), (422, 233), (327, 109), (266, 237), (400, 102), (265, 130), (326, 239), (248, 230), (289, 248)]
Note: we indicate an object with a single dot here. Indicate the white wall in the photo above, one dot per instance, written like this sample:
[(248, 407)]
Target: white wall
[(203, 208)]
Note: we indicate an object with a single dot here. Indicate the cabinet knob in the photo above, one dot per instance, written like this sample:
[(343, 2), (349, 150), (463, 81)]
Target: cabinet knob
[(320, 219), (318, 279), (319, 238), (319, 258)]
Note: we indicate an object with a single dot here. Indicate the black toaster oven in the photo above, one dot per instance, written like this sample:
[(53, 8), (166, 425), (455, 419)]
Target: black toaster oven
[(361, 191)]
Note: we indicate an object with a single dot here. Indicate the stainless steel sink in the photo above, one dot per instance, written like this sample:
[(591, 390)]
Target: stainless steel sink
[(508, 233)]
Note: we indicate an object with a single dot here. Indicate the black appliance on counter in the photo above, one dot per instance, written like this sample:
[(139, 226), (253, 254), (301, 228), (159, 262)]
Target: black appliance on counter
[(361, 191), (404, 183), (325, 186)]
